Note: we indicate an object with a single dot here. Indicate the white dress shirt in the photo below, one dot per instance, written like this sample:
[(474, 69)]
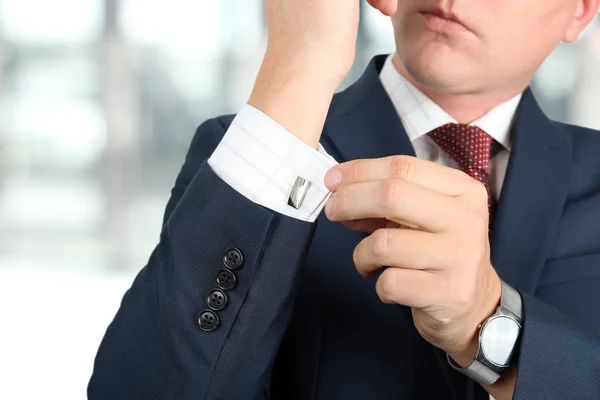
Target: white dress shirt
[(261, 160)]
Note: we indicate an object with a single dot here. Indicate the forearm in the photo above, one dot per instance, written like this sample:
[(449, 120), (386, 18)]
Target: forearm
[(155, 347), (296, 92), (559, 358)]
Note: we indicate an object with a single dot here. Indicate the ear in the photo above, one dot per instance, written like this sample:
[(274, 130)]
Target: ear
[(585, 13), (386, 7)]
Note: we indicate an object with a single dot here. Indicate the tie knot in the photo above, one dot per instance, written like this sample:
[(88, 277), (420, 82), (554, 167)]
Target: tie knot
[(469, 147)]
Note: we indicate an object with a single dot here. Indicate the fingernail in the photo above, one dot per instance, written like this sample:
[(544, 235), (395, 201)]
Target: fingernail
[(333, 178)]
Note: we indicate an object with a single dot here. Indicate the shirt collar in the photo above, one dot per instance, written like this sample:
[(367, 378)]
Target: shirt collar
[(420, 115)]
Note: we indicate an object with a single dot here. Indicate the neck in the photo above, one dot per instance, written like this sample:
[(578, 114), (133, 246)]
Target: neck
[(463, 107)]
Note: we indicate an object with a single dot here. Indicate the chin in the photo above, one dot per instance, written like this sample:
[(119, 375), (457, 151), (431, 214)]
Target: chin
[(436, 67)]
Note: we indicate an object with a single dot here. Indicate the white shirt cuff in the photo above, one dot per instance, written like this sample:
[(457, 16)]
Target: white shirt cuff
[(261, 160)]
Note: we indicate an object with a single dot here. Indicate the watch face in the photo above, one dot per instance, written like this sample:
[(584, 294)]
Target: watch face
[(498, 338)]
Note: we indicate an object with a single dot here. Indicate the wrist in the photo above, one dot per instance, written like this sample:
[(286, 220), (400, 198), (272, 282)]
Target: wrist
[(322, 63), (281, 73), (296, 93), (465, 354)]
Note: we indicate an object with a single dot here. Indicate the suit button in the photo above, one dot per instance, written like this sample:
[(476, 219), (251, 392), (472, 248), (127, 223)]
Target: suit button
[(233, 259), (208, 320), (226, 279), (217, 300)]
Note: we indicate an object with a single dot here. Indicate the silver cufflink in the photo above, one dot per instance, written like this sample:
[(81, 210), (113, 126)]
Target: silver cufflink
[(298, 192)]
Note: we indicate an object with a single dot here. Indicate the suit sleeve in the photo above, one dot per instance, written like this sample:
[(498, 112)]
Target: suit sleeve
[(154, 348), (558, 358)]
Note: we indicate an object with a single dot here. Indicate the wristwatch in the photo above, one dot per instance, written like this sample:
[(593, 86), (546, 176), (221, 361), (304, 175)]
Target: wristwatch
[(498, 340)]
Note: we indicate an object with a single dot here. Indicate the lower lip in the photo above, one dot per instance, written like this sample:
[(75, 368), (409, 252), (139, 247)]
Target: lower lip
[(443, 25)]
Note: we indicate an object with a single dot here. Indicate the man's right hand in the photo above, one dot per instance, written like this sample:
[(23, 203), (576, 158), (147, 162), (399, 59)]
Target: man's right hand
[(310, 50)]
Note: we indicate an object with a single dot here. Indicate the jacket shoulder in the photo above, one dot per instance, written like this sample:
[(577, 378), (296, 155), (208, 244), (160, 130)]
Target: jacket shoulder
[(585, 141), (585, 176)]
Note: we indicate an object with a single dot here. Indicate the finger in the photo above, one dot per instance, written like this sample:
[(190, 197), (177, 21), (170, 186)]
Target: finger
[(368, 225), (436, 177), (399, 201), (409, 287), (402, 248)]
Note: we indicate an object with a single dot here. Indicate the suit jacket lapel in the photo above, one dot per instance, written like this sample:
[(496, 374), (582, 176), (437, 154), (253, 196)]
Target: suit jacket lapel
[(532, 200), (363, 122), (533, 196)]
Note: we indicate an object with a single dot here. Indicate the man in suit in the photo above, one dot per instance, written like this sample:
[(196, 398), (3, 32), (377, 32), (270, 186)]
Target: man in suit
[(472, 219)]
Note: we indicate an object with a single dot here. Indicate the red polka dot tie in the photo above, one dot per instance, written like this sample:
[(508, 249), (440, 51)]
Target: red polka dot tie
[(470, 147)]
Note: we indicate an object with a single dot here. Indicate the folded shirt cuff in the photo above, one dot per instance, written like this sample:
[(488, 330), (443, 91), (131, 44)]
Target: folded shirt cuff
[(261, 160)]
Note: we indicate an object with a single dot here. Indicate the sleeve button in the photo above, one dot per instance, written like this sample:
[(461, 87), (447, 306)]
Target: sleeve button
[(226, 279), (208, 320), (217, 300), (233, 259)]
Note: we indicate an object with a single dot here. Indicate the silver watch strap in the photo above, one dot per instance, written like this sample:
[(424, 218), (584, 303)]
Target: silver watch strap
[(511, 301), (476, 371), (481, 373)]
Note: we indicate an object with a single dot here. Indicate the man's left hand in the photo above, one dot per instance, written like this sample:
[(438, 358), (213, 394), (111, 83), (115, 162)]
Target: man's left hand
[(428, 225)]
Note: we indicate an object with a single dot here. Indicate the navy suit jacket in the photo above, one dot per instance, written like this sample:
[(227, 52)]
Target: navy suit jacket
[(302, 324)]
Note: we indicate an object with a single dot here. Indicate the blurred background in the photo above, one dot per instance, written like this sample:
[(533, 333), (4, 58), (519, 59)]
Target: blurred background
[(99, 100)]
